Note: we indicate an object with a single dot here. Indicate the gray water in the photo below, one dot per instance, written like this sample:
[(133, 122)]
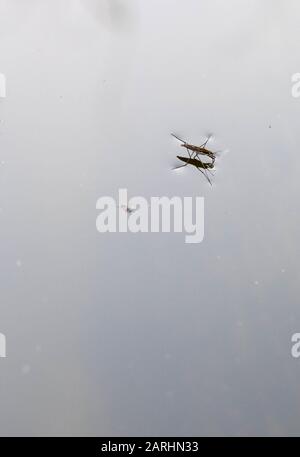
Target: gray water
[(123, 334)]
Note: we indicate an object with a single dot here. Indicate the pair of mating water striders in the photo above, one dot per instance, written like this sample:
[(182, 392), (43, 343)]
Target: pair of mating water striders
[(194, 152)]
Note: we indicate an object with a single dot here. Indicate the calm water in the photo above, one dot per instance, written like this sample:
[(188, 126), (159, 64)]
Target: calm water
[(124, 334)]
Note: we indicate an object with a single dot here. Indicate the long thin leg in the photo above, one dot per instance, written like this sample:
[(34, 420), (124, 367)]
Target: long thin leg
[(204, 172), (181, 166), (190, 155), (201, 171), (179, 139), (205, 143)]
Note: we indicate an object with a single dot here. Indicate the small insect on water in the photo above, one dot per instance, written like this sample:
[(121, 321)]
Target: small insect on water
[(127, 209), (203, 167), (196, 163), (197, 150), (194, 152)]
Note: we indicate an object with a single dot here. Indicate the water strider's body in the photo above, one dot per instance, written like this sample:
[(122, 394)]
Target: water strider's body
[(197, 149), (196, 162)]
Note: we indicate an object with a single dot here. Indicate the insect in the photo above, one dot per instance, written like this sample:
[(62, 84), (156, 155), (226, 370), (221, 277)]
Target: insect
[(194, 152), (197, 150), (198, 164), (127, 209)]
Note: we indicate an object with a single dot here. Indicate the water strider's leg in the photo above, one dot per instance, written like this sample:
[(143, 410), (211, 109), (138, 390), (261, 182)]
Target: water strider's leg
[(205, 143), (179, 139), (180, 166), (201, 171), (204, 172), (190, 155)]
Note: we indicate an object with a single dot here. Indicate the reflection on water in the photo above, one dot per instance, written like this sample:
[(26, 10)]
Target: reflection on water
[(144, 334)]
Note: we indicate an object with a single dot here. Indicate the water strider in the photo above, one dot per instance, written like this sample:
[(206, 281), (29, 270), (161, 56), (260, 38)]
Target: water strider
[(194, 152), (197, 163), (197, 150)]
